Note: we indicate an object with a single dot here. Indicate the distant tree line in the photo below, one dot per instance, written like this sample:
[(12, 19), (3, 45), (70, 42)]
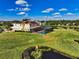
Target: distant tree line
[(53, 23), (72, 24), (63, 22)]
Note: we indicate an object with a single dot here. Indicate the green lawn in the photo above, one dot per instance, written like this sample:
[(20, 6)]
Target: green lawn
[(63, 41), (13, 44)]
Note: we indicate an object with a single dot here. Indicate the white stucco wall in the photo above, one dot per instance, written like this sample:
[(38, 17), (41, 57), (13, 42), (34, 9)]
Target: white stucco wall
[(16, 26), (25, 27)]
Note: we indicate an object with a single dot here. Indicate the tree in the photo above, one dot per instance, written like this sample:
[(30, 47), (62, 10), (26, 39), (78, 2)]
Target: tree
[(7, 25)]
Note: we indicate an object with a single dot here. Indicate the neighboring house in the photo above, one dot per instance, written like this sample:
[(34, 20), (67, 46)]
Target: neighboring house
[(25, 25)]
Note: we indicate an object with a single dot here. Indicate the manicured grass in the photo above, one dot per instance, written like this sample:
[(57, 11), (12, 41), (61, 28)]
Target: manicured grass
[(14, 43), (63, 40)]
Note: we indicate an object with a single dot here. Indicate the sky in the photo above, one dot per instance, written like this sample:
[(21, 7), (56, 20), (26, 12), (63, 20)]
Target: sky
[(39, 9)]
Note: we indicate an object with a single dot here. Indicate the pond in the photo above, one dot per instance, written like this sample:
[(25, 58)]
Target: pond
[(53, 55), (47, 53), (42, 32), (76, 41)]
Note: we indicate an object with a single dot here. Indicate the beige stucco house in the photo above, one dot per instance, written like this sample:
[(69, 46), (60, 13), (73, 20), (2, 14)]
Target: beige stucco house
[(25, 25)]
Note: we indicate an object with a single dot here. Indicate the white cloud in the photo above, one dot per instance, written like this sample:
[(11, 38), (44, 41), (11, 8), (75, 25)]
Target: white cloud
[(69, 13), (20, 9), (11, 9), (57, 16), (47, 10), (26, 9), (20, 2), (21, 13), (16, 8), (63, 9), (27, 5), (56, 13), (50, 9)]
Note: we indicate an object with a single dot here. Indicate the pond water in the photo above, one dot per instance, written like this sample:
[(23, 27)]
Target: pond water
[(53, 55), (42, 32), (47, 54), (76, 41)]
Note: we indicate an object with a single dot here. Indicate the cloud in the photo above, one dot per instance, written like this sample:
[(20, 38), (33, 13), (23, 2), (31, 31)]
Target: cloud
[(70, 14), (48, 10), (57, 13), (16, 8), (26, 9), (20, 9), (23, 9), (11, 9), (63, 9), (27, 5), (20, 2), (56, 16), (21, 13), (45, 11)]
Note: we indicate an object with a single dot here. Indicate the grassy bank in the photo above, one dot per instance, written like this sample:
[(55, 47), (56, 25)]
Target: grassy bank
[(13, 44), (63, 40)]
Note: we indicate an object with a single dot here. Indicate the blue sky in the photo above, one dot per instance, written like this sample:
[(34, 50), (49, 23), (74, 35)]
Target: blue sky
[(37, 9)]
